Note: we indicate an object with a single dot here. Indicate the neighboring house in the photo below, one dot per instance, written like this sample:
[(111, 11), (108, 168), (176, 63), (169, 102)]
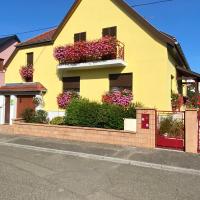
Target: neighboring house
[(7, 46), (149, 62)]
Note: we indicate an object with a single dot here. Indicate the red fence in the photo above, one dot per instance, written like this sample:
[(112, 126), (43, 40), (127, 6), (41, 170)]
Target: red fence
[(170, 130)]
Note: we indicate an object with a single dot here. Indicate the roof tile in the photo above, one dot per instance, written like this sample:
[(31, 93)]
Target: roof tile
[(44, 37)]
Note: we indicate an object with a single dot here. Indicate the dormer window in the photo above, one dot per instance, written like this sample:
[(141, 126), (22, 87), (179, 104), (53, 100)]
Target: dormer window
[(111, 31), (80, 37)]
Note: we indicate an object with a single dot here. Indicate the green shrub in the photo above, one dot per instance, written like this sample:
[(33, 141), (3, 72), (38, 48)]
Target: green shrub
[(171, 127), (28, 115), (111, 117), (130, 112), (82, 112), (41, 117), (57, 121), (31, 116)]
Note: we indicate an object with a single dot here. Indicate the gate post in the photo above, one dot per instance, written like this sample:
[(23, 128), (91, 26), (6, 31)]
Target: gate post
[(191, 131), (146, 127)]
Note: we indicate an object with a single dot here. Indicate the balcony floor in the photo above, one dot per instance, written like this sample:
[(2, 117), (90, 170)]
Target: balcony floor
[(94, 65)]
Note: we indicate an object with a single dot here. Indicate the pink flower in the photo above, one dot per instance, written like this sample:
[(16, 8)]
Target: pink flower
[(65, 98), (121, 98), (26, 72)]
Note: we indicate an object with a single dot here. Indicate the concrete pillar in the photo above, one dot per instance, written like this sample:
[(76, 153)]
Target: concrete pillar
[(191, 131), (146, 126), (13, 107), (2, 109)]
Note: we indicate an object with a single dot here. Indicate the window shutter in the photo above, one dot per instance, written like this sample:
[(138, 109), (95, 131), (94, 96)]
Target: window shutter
[(111, 31), (71, 83), (105, 32), (76, 37), (1, 64), (83, 36), (80, 37), (122, 81), (30, 58)]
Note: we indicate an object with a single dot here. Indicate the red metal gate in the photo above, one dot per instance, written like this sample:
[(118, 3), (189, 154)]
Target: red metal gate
[(170, 130)]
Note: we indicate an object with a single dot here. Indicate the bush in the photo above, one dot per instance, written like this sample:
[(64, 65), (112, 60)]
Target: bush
[(57, 121), (41, 117), (82, 113), (28, 115), (111, 116), (171, 127), (130, 112)]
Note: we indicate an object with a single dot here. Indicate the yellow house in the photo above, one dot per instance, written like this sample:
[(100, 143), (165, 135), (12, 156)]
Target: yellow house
[(149, 62)]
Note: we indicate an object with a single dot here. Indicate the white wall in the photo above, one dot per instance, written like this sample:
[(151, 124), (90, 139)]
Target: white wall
[(13, 107), (2, 109)]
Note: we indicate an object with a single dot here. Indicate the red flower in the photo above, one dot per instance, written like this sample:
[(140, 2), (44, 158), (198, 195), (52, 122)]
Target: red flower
[(103, 49)]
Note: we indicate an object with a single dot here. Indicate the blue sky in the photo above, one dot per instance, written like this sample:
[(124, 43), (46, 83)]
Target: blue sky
[(180, 18)]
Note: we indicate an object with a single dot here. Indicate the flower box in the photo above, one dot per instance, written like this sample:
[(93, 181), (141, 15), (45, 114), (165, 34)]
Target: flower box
[(107, 48)]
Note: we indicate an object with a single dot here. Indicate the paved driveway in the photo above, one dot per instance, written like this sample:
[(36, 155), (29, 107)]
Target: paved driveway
[(34, 174)]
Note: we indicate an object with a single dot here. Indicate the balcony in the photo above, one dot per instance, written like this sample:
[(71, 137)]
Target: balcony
[(103, 53)]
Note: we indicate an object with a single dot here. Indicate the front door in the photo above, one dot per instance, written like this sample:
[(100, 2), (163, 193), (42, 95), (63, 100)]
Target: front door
[(24, 102), (7, 109)]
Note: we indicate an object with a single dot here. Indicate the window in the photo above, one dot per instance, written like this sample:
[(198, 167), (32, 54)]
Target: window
[(78, 37), (71, 84), (111, 31), (30, 58), (120, 81), (172, 80)]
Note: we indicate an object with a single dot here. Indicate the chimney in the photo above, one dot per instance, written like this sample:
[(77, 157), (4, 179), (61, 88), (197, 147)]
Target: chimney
[(1, 64)]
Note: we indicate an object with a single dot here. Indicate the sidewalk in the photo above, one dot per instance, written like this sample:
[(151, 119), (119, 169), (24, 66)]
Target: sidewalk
[(153, 156)]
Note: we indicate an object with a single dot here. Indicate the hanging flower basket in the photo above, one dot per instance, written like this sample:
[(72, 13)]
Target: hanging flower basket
[(26, 73)]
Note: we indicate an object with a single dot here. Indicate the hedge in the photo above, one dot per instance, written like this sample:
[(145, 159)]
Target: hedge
[(82, 112)]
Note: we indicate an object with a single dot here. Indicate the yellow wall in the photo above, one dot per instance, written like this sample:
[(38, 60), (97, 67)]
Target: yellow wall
[(146, 58), (45, 72), (172, 72)]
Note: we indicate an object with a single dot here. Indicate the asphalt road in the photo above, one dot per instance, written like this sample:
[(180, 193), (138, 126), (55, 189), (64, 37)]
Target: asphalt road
[(27, 174)]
